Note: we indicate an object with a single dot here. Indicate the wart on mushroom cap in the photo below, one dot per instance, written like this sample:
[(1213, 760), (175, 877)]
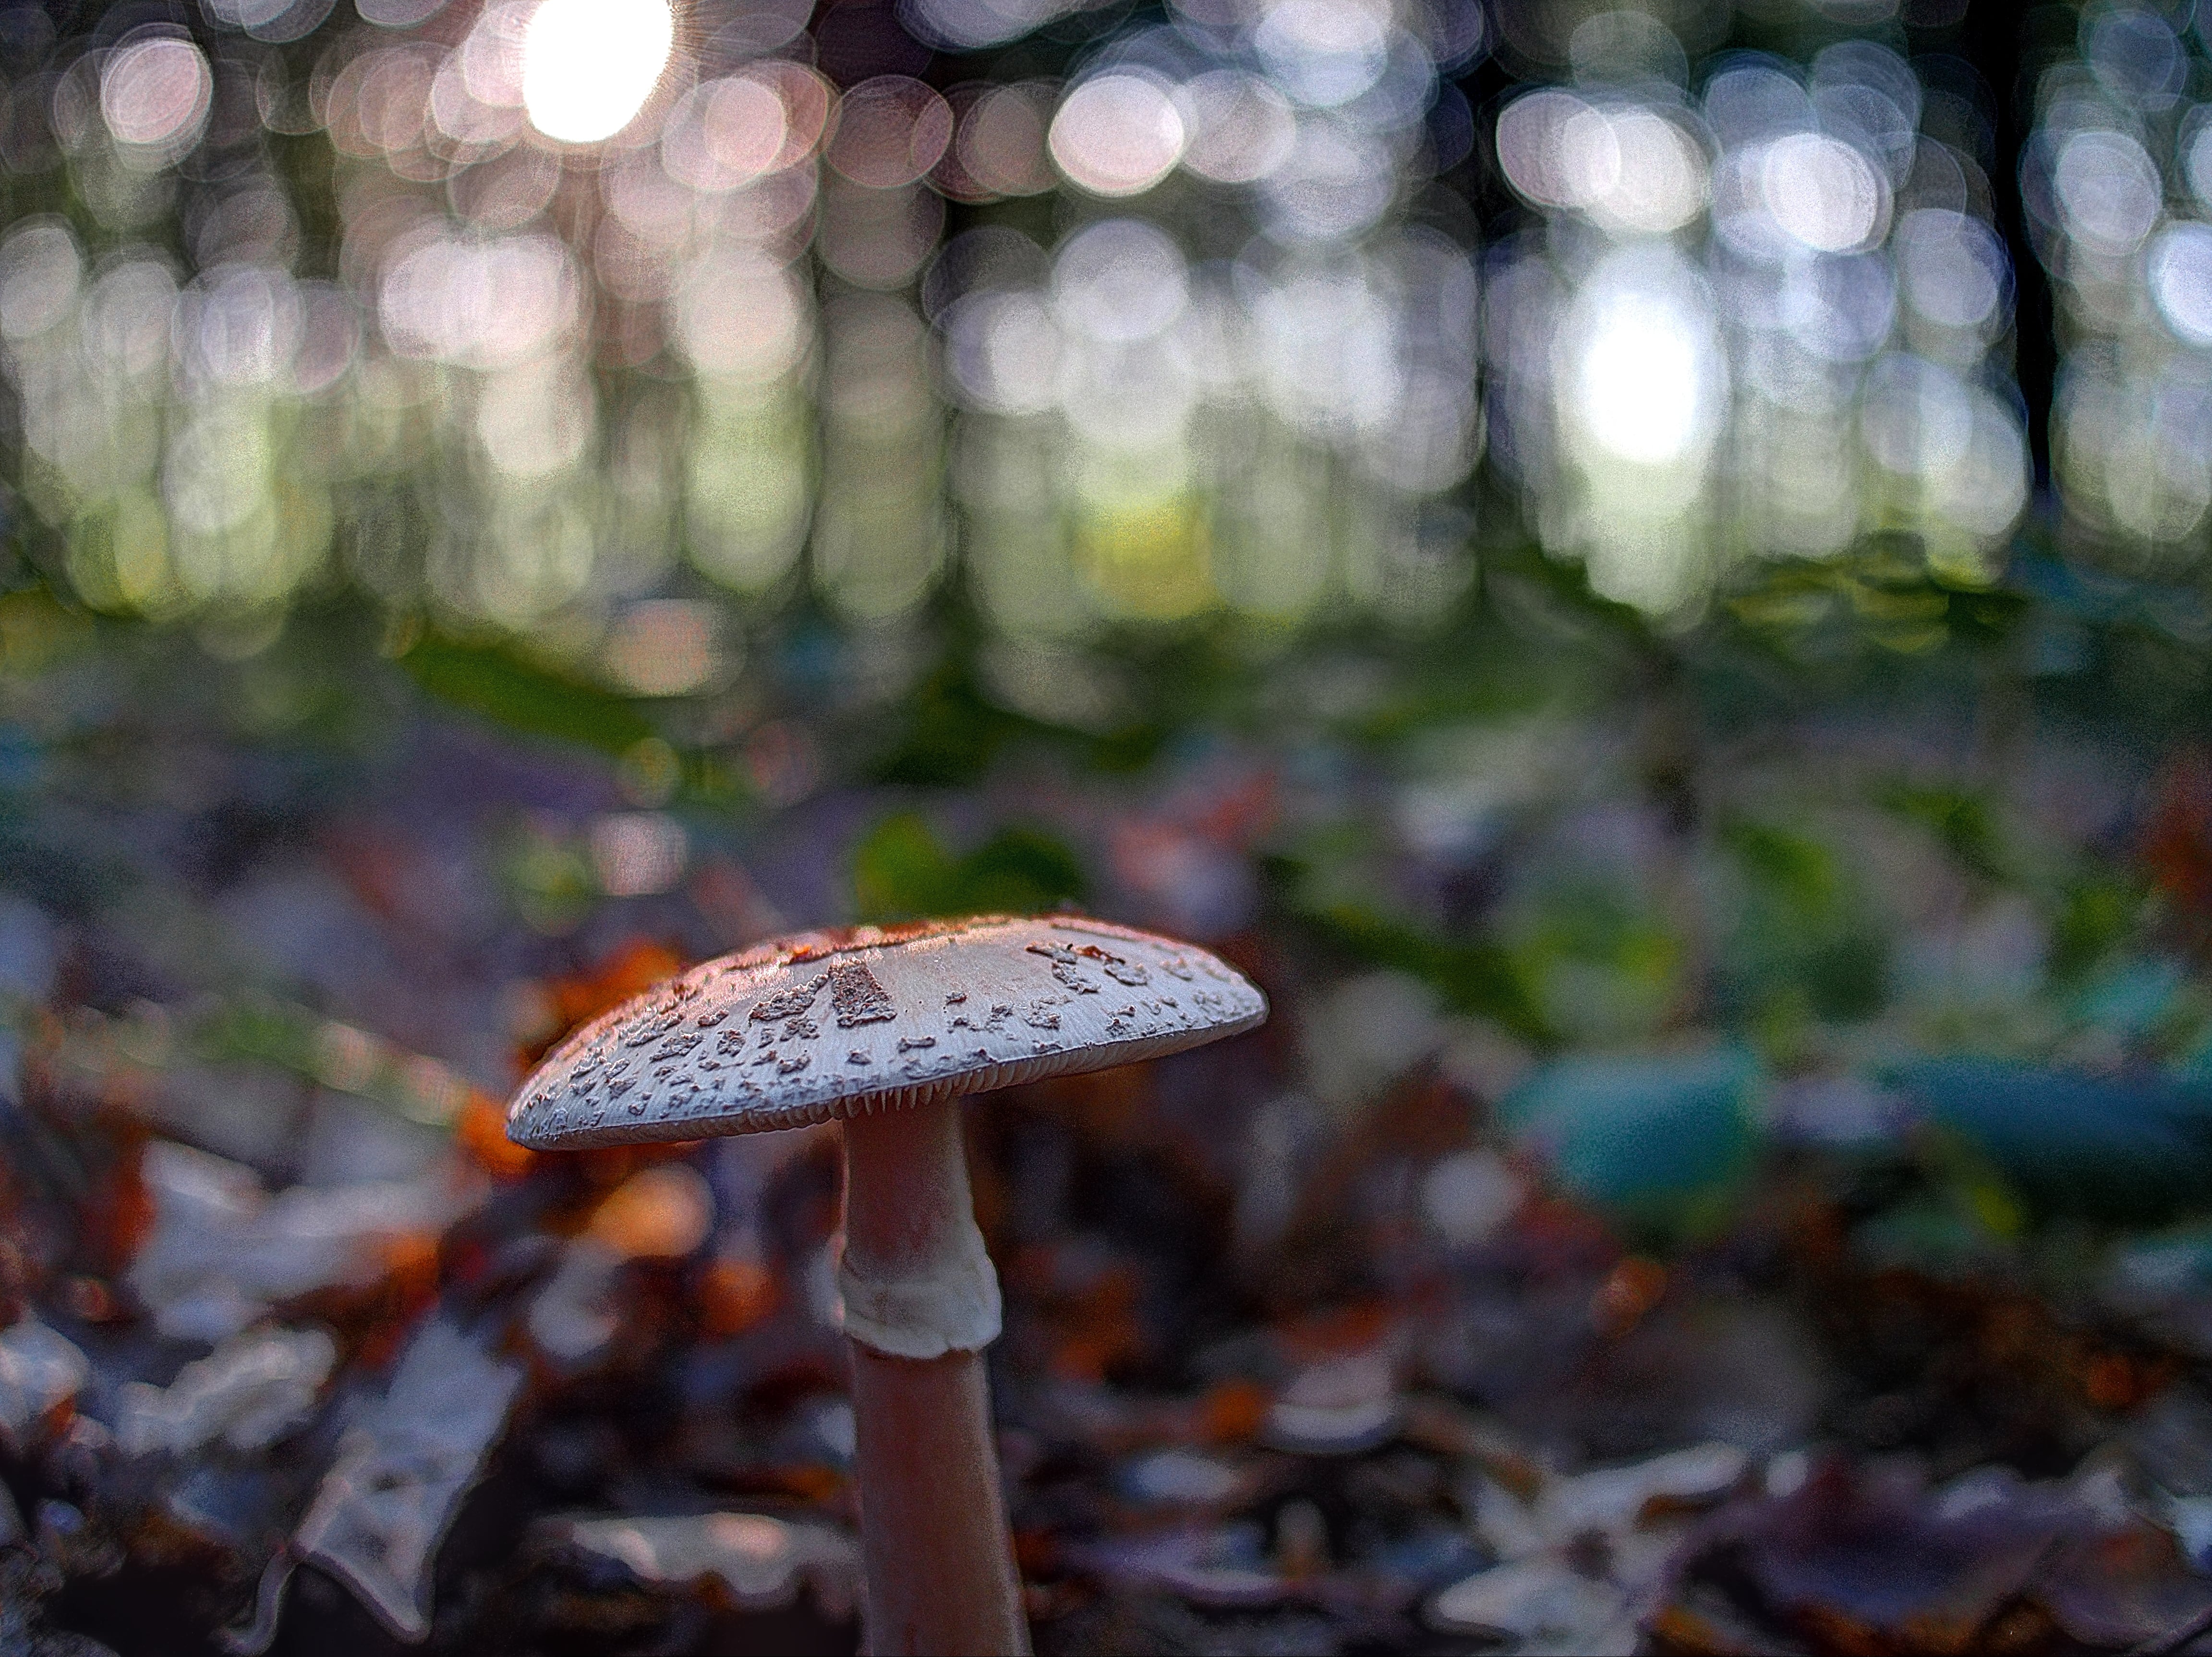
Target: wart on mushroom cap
[(837, 1023)]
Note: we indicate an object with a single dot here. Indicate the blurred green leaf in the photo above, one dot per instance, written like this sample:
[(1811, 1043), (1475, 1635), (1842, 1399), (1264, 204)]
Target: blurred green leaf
[(1472, 977), (271, 1032), (2097, 913), (504, 687), (547, 879), (1603, 966), (949, 734), (1798, 945), (901, 872), (1961, 820), (1020, 869), (1793, 867)]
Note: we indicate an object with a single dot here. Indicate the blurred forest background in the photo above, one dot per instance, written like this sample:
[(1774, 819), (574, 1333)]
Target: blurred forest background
[(1640, 569)]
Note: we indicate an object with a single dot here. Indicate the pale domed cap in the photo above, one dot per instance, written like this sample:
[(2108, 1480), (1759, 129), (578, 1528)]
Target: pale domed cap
[(841, 1023)]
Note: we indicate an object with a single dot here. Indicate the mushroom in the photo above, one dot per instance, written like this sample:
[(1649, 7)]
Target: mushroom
[(885, 1029)]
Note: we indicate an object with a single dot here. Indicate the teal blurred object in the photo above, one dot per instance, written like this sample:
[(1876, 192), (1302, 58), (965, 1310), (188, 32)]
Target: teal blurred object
[(2133, 1148), (1661, 1139), (2133, 996)]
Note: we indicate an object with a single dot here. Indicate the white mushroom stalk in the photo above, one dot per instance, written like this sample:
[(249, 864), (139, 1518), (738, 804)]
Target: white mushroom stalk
[(913, 1279), (920, 1302), (885, 1028)]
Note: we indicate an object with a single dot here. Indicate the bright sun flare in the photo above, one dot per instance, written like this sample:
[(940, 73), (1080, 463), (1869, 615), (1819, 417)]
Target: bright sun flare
[(589, 65), (1642, 379)]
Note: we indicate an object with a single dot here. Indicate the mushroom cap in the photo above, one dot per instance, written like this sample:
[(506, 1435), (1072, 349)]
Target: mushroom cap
[(847, 1022)]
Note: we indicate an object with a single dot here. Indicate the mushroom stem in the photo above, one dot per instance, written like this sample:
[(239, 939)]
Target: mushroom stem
[(920, 1302)]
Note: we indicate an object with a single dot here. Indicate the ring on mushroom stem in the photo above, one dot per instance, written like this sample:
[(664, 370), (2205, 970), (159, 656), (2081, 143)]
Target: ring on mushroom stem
[(885, 1028)]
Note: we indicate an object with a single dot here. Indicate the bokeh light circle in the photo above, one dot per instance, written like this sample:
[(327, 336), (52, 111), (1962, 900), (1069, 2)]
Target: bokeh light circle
[(1117, 134), (154, 93), (2179, 270), (1823, 193), (588, 66), (2108, 189)]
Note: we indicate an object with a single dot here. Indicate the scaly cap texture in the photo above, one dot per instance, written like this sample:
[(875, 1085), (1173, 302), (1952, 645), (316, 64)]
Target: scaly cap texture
[(838, 1023)]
